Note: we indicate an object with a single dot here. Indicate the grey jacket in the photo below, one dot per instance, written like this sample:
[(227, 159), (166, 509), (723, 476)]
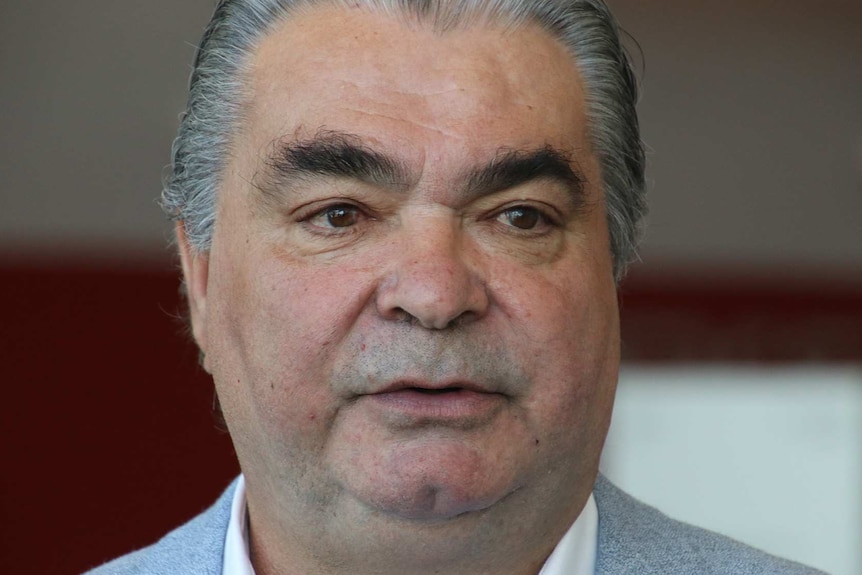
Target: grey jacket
[(633, 539)]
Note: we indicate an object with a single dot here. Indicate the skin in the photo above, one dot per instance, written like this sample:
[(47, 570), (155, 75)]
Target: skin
[(324, 301)]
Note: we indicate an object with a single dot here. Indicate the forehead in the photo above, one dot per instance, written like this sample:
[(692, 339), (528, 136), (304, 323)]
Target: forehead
[(425, 94)]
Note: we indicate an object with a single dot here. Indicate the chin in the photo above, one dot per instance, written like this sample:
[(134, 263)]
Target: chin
[(434, 482)]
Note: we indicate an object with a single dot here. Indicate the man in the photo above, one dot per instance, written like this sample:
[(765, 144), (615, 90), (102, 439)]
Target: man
[(401, 225)]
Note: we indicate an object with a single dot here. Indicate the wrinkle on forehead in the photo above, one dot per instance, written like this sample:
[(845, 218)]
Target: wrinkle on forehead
[(444, 100), (450, 134)]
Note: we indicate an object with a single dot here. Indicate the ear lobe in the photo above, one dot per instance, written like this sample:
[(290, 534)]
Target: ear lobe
[(195, 275)]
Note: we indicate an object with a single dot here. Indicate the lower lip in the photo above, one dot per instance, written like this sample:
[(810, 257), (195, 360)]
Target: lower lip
[(457, 406)]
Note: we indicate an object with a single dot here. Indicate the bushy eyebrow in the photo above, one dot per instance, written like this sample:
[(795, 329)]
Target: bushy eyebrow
[(342, 155), (511, 168), (337, 155)]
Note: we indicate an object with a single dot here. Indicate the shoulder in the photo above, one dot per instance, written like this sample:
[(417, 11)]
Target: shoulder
[(636, 538), (194, 548)]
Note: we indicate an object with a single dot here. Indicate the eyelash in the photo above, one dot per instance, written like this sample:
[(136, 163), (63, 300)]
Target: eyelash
[(325, 213), (545, 218)]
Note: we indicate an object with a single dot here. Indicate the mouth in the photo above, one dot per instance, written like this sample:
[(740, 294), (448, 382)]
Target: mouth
[(457, 404), (428, 391), (433, 388)]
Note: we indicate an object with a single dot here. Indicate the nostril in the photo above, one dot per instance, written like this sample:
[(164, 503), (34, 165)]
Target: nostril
[(400, 314)]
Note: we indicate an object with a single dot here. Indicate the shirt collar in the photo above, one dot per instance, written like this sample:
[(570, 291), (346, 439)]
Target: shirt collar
[(575, 554), (236, 557)]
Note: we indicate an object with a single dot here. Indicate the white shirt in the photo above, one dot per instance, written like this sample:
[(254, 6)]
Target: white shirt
[(575, 554)]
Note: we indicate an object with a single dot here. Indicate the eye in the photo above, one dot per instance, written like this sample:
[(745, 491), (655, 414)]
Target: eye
[(523, 217), (337, 216)]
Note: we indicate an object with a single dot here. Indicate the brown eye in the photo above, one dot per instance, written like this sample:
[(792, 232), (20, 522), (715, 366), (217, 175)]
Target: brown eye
[(339, 216), (522, 217)]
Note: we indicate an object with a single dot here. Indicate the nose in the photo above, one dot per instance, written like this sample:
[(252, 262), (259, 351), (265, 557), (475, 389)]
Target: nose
[(434, 278)]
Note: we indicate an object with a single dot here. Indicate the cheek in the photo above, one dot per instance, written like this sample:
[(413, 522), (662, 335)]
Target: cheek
[(287, 312), (269, 356), (276, 326), (563, 308), (565, 325)]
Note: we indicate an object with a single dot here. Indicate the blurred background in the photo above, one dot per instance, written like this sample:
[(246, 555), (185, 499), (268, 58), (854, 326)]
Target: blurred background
[(740, 406)]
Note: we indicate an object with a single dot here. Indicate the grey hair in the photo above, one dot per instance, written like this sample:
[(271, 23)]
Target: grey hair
[(585, 27)]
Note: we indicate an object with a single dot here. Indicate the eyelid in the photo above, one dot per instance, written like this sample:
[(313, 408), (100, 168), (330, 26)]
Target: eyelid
[(311, 209), (304, 215), (546, 211)]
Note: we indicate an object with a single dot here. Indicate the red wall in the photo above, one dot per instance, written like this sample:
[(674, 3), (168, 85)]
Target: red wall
[(108, 439), (107, 433)]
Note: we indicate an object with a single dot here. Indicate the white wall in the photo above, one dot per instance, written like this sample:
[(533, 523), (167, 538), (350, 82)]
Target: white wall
[(769, 456)]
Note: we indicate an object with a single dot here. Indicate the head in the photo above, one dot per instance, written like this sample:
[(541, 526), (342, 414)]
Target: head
[(402, 275), (586, 28)]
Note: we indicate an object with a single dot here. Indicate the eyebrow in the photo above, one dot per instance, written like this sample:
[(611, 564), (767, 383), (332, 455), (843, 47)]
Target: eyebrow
[(334, 154), (344, 155), (511, 168)]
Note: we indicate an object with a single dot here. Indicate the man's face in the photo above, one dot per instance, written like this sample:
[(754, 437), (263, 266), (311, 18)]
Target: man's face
[(408, 308)]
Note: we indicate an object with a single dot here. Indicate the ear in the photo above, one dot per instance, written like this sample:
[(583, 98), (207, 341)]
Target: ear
[(195, 275)]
